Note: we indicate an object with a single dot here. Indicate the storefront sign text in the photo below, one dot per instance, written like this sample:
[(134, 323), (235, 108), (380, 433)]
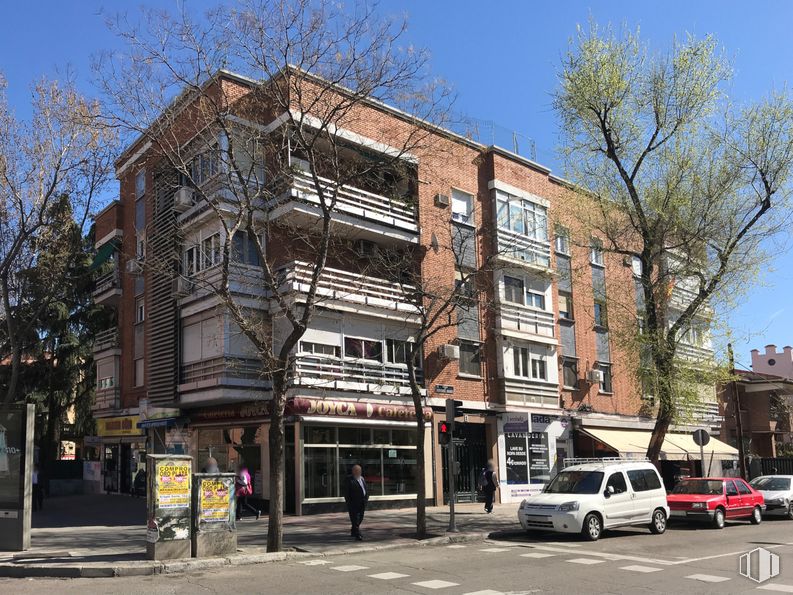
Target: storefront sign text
[(118, 426)]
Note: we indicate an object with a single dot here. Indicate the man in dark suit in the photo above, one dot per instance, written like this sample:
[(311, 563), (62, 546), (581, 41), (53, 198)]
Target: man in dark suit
[(356, 494)]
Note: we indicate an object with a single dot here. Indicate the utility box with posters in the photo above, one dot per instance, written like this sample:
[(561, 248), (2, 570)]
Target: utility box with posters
[(214, 518), (169, 506), (16, 481)]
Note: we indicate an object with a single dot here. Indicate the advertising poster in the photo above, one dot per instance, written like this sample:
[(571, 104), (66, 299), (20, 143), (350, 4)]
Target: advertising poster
[(215, 501), (12, 459), (173, 485), (517, 459), (539, 462)]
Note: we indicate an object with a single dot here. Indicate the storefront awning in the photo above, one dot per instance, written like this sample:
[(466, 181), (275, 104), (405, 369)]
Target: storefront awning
[(634, 443), (104, 253), (161, 422)]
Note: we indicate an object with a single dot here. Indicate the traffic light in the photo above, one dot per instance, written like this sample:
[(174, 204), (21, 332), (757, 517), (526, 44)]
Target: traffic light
[(454, 408), (444, 433)]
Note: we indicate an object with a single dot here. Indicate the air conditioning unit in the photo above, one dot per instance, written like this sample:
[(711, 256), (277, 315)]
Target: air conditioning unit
[(365, 248), (182, 287), (449, 351), (183, 199), (441, 200), (595, 376), (134, 267)]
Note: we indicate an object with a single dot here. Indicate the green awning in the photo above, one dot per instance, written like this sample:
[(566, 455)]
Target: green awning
[(104, 253)]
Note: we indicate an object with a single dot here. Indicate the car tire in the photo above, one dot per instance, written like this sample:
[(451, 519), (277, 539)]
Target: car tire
[(658, 522), (790, 511), (757, 516), (593, 527), (718, 519)]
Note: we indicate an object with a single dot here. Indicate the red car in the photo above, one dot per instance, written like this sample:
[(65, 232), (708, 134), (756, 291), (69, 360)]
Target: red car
[(716, 499)]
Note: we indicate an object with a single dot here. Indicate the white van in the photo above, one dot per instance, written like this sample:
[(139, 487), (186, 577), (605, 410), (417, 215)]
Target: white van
[(591, 495)]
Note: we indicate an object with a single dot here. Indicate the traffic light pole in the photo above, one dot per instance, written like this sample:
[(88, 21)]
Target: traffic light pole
[(452, 461)]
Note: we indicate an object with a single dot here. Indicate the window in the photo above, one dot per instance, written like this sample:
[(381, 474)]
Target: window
[(538, 369), (397, 352), (605, 386), (562, 241), (636, 266), (643, 480), (363, 349), (520, 361), (140, 310), (731, 489), (565, 305), (244, 250), (535, 300), (742, 487), (139, 372), (319, 349), (140, 183), (210, 251), (617, 482), (140, 245), (464, 284), (462, 206), (106, 383), (601, 319), (204, 166), (513, 290), (470, 358), (522, 216), (570, 373), (596, 253)]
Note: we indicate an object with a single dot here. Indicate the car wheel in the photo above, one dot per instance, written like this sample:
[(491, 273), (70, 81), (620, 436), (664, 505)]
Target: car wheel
[(790, 511), (592, 527), (658, 522), (718, 519), (757, 516)]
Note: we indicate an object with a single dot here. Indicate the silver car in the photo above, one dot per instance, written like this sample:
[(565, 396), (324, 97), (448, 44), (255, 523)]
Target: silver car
[(778, 493)]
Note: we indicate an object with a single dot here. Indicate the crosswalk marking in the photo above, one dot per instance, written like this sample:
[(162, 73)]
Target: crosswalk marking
[(387, 576), (436, 584), (708, 578), (315, 562), (585, 561), (350, 568), (563, 544), (493, 550), (637, 568), (777, 588), (485, 592), (536, 555), (455, 547)]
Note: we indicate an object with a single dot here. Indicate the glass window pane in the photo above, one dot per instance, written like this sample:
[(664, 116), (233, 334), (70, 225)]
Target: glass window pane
[(320, 470), (355, 435), (381, 436), (406, 437), (369, 460), (502, 213), (516, 223), (399, 471), (319, 435), (353, 347)]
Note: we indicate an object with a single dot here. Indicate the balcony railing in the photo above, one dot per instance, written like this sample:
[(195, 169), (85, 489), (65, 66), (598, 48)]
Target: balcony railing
[(518, 247), (359, 203), (107, 283), (525, 391), (336, 284), (216, 368), (107, 339), (334, 373), (527, 320), (695, 353), (107, 398)]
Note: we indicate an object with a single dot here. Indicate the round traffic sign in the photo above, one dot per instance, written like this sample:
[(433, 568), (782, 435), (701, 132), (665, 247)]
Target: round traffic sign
[(701, 437)]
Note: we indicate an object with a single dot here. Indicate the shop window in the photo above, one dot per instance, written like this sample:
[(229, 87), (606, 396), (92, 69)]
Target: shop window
[(363, 349), (349, 435), (320, 471), (399, 471), (381, 436), (370, 460), (319, 435), (404, 437), (470, 360)]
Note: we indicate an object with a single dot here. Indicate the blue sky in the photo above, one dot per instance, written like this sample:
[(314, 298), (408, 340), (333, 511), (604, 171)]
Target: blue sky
[(501, 58)]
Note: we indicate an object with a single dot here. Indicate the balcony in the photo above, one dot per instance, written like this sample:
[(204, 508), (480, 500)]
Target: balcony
[(515, 248), (107, 289), (522, 321), (334, 373), (220, 370), (353, 289), (107, 399), (525, 391), (106, 340), (371, 216), (695, 353)]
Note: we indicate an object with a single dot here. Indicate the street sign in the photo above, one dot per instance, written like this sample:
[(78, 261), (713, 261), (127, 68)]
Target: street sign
[(701, 437)]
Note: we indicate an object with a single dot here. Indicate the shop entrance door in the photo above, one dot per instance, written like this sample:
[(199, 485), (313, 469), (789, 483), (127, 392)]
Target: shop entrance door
[(111, 468), (471, 454), (125, 469)]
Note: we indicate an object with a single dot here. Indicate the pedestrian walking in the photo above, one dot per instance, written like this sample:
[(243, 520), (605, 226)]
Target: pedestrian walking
[(243, 489), (38, 493), (356, 494), (489, 482)]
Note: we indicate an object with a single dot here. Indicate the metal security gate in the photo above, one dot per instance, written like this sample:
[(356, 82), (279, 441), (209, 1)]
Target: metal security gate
[(471, 454)]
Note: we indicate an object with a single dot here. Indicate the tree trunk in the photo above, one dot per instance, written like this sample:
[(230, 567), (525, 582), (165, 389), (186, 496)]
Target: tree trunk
[(666, 408), (421, 471), (275, 528)]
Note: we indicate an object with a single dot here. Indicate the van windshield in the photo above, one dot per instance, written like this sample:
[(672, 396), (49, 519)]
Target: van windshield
[(575, 482), (699, 486)]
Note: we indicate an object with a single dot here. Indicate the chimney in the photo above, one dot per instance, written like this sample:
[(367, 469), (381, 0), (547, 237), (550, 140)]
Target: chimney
[(770, 349)]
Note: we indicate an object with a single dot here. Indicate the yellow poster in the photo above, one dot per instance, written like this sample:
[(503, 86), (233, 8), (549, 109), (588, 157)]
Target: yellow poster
[(173, 486), (215, 500)]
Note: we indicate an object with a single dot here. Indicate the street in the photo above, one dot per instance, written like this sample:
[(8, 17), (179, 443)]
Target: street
[(686, 559)]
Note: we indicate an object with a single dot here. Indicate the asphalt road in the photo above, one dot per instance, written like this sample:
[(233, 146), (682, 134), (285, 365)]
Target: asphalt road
[(684, 560)]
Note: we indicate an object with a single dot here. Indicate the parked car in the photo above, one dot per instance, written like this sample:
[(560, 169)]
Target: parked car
[(594, 496), (716, 499), (777, 492)]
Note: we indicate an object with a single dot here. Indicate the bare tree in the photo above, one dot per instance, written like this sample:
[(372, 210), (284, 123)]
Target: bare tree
[(54, 163), (250, 146), (686, 187)]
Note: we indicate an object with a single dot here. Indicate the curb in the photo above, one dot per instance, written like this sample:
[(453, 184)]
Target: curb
[(188, 565)]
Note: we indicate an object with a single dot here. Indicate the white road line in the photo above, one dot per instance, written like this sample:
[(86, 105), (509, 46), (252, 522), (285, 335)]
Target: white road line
[(564, 543), (350, 568), (637, 568), (455, 547), (485, 592), (707, 578), (315, 562), (777, 588), (388, 576), (493, 550), (584, 561), (537, 555), (436, 584)]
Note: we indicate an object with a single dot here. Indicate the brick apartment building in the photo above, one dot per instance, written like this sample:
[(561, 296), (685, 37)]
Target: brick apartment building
[(540, 377)]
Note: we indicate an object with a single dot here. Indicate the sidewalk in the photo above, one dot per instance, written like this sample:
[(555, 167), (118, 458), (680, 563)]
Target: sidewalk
[(105, 535)]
